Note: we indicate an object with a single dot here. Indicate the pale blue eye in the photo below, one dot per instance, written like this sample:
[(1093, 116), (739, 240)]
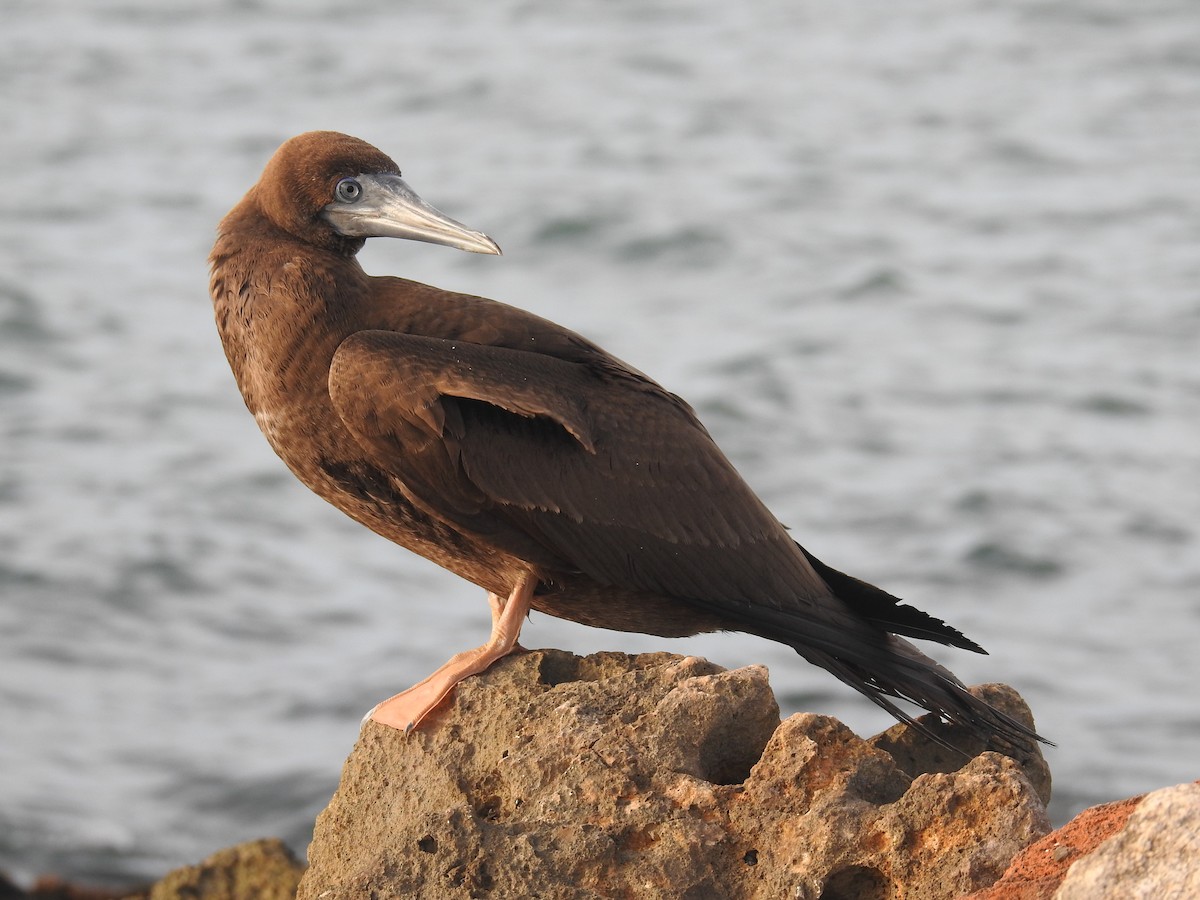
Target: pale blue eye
[(348, 190)]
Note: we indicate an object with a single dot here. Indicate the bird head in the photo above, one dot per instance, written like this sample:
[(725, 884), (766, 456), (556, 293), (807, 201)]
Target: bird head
[(335, 191)]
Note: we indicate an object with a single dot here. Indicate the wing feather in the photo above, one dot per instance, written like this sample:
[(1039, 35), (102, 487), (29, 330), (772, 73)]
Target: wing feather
[(608, 473)]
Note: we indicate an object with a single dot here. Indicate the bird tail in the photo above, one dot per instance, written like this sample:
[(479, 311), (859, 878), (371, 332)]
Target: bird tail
[(886, 668), (886, 611), (897, 669)]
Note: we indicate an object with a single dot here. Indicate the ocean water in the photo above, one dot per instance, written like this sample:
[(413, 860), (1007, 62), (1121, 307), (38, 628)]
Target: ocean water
[(930, 273)]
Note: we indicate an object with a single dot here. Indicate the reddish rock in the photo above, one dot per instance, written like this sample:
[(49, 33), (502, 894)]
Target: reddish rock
[(1156, 854), (51, 887), (256, 870), (1036, 872)]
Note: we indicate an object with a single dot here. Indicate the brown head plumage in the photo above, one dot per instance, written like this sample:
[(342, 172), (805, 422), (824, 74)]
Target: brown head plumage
[(299, 182)]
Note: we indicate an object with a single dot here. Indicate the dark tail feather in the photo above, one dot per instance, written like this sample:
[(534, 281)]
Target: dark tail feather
[(888, 612), (883, 666), (905, 673)]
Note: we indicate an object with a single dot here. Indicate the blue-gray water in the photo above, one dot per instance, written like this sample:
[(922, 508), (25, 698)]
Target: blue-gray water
[(929, 271)]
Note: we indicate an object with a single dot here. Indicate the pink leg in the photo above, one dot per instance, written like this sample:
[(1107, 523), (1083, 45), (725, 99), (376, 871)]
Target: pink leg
[(406, 710)]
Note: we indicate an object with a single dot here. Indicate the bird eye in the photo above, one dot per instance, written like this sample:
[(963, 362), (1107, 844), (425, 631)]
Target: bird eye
[(348, 190)]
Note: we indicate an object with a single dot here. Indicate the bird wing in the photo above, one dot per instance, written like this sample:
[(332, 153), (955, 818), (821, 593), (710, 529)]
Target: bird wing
[(602, 470)]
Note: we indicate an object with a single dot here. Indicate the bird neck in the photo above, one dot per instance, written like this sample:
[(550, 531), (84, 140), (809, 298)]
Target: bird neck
[(282, 307)]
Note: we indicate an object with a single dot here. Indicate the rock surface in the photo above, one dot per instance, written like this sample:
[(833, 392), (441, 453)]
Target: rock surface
[(554, 776), (1037, 871), (51, 887), (1156, 854), (263, 870), (1106, 852), (255, 870)]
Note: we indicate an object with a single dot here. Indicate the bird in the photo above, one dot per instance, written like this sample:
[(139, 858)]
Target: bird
[(520, 455)]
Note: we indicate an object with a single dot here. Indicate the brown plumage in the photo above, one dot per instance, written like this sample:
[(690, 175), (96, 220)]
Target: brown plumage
[(518, 454)]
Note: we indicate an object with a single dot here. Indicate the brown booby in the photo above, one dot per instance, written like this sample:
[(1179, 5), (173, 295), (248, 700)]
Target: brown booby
[(518, 454)]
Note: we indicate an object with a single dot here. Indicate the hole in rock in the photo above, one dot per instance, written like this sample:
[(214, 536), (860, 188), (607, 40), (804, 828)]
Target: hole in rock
[(857, 883), (558, 668), (751, 858), (427, 844), (727, 754), (489, 809), (728, 768)]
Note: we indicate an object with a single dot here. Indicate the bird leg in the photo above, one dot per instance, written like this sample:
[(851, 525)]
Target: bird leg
[(406, 710)]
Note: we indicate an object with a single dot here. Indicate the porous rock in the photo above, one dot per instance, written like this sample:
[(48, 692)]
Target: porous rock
[(915, 754), (559, 777)]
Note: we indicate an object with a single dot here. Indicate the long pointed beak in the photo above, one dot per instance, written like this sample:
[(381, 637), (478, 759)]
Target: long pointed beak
[(388, 207)]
